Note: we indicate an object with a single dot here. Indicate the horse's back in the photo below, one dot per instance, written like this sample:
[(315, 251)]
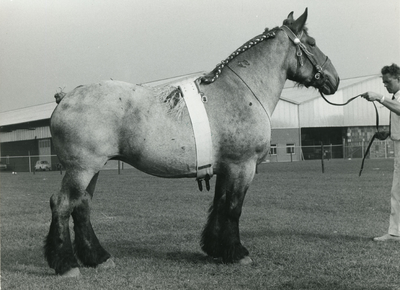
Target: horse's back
[(89, 110)]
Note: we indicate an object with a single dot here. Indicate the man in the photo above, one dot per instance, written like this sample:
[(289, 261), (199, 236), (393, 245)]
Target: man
[(391, 81)]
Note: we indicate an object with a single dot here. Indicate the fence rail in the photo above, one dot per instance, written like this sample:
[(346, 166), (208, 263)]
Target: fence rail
[(280, 153), (27, 163)]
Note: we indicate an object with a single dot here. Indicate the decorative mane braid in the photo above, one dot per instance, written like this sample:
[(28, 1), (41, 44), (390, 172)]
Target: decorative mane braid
[(214, 74)]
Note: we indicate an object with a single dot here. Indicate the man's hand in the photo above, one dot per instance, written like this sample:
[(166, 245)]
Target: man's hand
[(371, 96)]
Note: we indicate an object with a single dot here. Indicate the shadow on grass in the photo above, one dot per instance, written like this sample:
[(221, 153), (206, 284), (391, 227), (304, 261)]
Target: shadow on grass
[(305, 235), (30, 261), (128, 248), (190, 257), (124, 249), (26, 256), (321, 284)]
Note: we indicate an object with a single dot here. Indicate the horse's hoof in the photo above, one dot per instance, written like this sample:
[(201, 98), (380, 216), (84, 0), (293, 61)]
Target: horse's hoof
[(109, 264), (72, 273), (245, 261)]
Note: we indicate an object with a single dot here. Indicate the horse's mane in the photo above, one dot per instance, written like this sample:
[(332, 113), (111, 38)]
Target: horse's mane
[(172, 96), (214, 74), (267, 34)]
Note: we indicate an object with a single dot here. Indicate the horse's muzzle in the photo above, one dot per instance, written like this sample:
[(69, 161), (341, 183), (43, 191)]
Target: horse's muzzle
[(329, 87), (330, 82)]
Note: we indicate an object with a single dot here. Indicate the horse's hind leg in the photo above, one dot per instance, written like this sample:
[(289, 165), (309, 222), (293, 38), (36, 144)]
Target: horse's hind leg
[(58, 248), (221, 238), (87, 246), (72, 199)]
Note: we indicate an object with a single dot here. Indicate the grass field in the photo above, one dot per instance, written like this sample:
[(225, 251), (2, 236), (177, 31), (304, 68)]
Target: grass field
[(304, 230)]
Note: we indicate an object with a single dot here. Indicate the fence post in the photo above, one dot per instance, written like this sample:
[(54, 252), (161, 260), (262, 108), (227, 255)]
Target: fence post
[(362, 148), (322, 157), (30, 162), (344, 148), (386, 156)]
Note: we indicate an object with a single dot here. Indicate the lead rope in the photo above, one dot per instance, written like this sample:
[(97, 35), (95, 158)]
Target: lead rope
[(380, 135)]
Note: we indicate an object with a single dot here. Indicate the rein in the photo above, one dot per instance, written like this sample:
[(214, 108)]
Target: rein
[(344, 104), (380, 135)]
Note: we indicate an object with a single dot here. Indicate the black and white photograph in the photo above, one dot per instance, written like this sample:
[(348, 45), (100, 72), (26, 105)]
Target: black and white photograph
[(214, 144)]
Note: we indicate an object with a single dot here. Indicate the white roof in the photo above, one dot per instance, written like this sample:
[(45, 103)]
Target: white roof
[(291, 93), (44, 111), (28, 114)]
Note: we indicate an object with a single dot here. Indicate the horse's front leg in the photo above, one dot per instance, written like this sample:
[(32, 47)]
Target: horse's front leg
[(221, 237)]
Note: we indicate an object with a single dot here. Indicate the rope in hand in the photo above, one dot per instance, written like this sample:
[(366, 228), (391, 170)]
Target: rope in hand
[(380, 135)]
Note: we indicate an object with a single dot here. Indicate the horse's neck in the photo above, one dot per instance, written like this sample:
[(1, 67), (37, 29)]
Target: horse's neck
[(263, 73)]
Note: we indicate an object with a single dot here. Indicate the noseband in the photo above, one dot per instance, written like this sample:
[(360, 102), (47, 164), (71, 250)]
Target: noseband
[(301, 48)]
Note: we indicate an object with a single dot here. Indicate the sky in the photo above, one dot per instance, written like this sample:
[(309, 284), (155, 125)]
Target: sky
[(51, 44)]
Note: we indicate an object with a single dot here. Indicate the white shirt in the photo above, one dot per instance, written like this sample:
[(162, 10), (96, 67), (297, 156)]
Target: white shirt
[(395, 122)]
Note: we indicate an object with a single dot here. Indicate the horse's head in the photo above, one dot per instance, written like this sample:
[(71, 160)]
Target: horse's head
[(308, 65)]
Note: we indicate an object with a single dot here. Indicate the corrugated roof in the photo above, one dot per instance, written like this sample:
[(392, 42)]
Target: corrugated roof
[(290, 93), (44, 111), (174, 80), (28, 114)]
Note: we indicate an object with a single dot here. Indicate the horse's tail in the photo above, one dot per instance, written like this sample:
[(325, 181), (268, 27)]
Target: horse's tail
[(59, 96)]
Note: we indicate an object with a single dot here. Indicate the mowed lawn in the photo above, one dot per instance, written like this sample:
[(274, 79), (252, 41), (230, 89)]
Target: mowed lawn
[(304, 229)]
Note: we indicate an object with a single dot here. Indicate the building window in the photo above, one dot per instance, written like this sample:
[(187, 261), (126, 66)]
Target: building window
[(272, 150), (290, 148)]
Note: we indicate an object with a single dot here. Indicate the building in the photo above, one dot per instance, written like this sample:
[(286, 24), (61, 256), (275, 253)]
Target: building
[(304, 126), (303, 120)]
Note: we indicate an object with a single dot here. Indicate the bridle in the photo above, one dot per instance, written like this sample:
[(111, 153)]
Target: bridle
[(301, 48), (380, 135)]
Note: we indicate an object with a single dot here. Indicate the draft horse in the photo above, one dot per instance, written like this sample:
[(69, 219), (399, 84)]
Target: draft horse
[(115, 120)]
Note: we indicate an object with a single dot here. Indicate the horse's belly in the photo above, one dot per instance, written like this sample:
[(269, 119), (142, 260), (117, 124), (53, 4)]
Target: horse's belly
[(161, 151), (164, 162), (159, 143)]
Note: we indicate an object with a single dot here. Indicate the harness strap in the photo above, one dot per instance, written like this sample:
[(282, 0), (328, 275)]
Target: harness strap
[(201, 130), (253, 93)]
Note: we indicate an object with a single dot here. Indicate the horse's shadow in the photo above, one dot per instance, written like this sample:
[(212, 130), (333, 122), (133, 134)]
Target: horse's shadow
[(35, 264), (306, 235), (32, 262), (123, 249), (129, 248)]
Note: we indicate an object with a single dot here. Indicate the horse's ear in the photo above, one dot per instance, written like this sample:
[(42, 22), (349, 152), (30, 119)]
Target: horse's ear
[(290, 17), (289, 20), (298, 25)]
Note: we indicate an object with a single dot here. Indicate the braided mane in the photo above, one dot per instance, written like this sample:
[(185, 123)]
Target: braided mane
[(214, 74)]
